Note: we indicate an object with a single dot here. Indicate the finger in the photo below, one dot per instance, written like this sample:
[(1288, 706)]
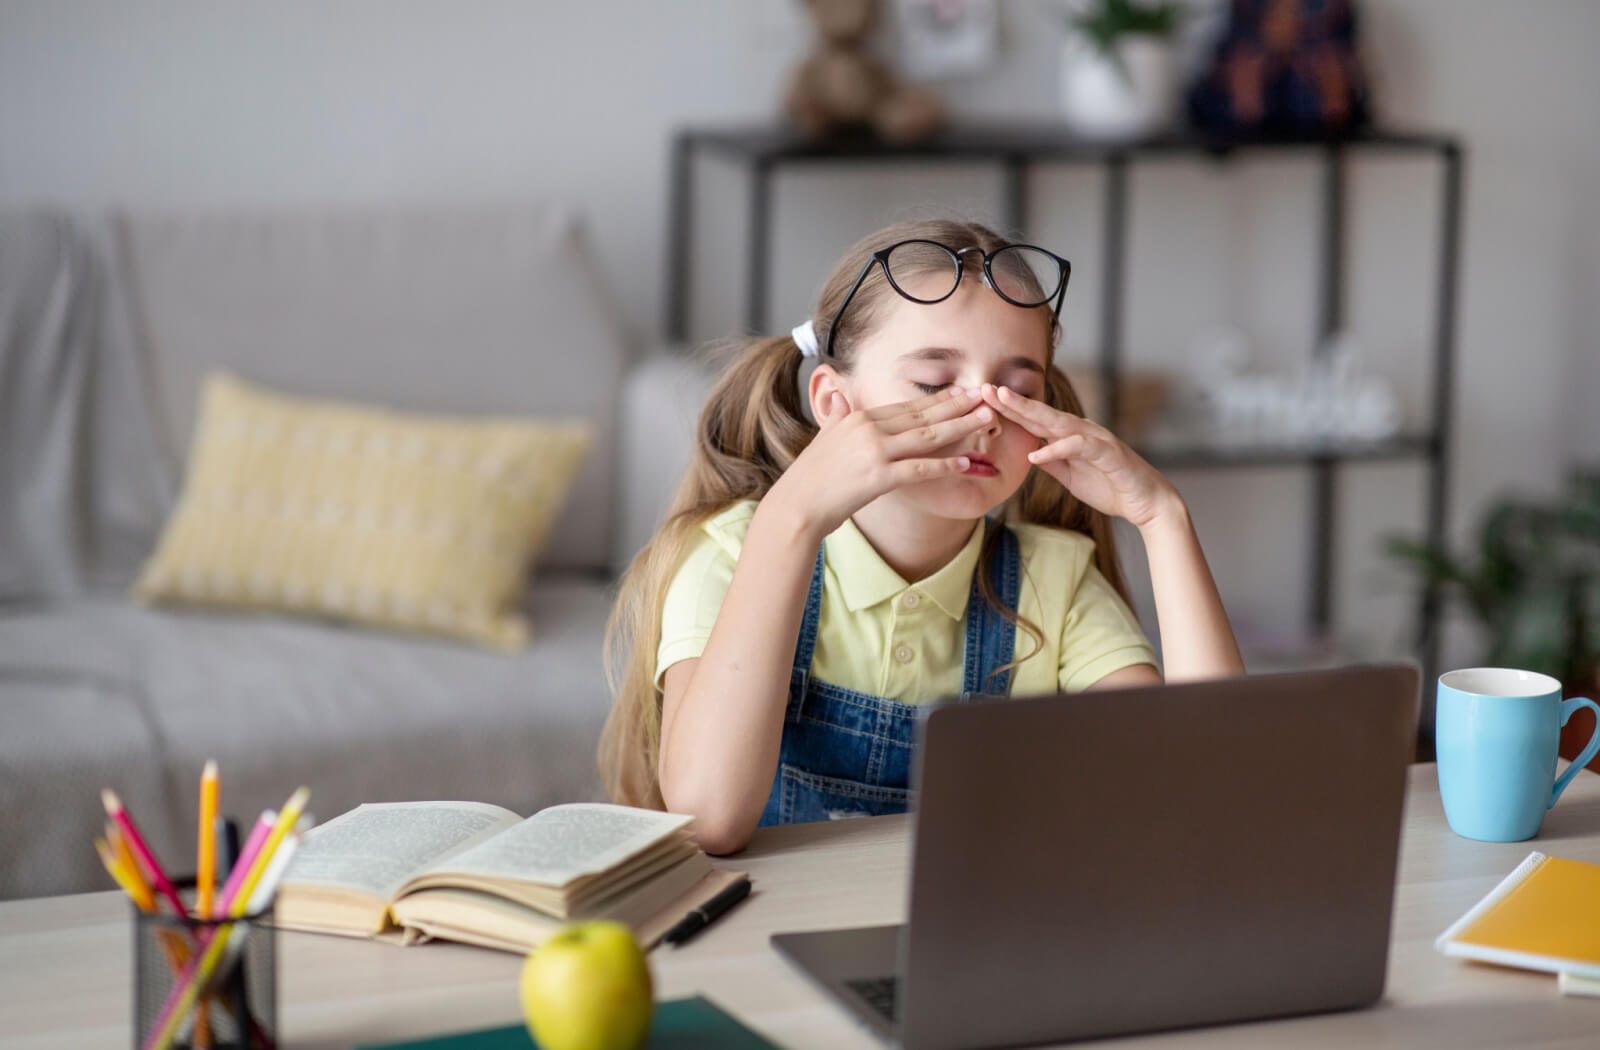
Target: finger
[(912, 471), (1032, 413), (919, 404), (930, 436), (1092, 450), (935, 408), (1010, 412)]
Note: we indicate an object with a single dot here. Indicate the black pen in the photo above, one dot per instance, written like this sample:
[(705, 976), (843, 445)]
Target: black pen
[(704, 915)]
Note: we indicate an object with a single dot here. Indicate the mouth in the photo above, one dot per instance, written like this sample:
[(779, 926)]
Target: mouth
[(981, 466)]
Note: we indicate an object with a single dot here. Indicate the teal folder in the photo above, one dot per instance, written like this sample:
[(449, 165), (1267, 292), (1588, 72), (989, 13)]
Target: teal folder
[(679, 1024)]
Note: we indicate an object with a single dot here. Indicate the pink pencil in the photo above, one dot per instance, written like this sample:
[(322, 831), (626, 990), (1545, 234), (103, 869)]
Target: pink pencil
[(135, 842), (247, 858)]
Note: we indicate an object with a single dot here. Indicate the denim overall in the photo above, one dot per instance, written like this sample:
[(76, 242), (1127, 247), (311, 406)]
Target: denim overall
[(848, 754)]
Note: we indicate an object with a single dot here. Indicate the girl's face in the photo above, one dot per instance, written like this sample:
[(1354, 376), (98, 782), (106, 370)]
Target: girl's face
[(973, 337)]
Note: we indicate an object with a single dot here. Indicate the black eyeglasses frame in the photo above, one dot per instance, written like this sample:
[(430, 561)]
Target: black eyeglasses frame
[(881, 258)]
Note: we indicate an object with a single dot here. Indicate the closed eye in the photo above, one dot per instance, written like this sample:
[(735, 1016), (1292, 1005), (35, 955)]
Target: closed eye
[(1027, 387), (929, 388)]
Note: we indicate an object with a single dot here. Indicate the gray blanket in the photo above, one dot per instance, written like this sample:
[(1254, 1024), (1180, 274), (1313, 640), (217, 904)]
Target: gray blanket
[(84, 483)]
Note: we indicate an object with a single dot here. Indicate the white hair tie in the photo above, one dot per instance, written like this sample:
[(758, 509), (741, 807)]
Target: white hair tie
[(805, 337)]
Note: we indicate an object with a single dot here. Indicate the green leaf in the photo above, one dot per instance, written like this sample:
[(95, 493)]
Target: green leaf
[(1104, 23), (1436, 566)]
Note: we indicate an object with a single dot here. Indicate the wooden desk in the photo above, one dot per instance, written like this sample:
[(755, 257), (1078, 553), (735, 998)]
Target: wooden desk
[(65, 970)]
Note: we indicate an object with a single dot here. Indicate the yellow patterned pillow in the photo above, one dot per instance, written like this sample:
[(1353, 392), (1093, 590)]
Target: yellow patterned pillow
[(421, 523)]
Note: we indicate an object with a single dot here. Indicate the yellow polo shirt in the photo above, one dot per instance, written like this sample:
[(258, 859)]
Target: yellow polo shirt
[(879, 635)]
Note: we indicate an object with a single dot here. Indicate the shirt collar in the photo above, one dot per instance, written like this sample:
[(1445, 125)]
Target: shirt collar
[(865, 579)]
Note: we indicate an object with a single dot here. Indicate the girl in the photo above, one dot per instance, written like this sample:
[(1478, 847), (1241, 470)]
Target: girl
[(767, 650)]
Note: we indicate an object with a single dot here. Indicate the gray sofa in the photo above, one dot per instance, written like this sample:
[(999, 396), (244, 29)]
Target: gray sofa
[(108, 324)]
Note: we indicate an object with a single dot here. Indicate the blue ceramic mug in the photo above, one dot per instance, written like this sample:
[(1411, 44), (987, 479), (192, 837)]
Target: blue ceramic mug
[(1496, 731)]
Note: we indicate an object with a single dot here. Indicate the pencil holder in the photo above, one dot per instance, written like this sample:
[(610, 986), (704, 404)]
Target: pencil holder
[(204, 982)]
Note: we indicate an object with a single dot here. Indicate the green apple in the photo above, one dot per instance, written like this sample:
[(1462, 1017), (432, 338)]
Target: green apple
[(588, 988)]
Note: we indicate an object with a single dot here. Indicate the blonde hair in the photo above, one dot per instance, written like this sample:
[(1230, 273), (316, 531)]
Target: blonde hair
[(754, 424)]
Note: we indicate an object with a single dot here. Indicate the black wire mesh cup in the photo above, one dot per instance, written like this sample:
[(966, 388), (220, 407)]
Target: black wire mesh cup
[(238, 1008)]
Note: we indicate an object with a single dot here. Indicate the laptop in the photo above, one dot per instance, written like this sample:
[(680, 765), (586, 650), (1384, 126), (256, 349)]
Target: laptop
[(1138, 859)]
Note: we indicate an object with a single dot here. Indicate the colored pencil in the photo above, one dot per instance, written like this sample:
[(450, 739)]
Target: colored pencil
[(119, 874), (136, 887), (136, 843), (241, 863), (287, 818), (206, 859), (206, 877)]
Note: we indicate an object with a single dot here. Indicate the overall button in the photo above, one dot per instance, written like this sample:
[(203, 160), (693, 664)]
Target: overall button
[(903, 653), (911, 600)]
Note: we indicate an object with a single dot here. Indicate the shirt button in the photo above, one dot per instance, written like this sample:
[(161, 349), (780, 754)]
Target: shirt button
[(911, 600), (903, 653)]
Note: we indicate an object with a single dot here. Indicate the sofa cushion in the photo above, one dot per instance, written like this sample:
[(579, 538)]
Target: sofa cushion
[(307, 506), (460, 311), (100, 693)]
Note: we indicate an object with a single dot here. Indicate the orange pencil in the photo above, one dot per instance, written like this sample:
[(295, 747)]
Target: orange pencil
[(137, 888), (119, 873), (206, 868), (206, 876)]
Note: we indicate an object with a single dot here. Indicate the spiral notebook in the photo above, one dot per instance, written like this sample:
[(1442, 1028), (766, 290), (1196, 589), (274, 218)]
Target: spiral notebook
[(1545, 915)]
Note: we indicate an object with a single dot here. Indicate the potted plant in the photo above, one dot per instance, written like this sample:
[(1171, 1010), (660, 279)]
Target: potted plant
[(1119, 70), (1534, 587)]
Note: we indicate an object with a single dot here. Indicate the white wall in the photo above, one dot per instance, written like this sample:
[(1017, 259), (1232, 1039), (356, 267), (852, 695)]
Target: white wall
[(196, 103)]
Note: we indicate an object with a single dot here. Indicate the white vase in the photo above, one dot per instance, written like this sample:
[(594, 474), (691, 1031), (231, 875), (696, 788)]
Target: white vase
[(1102, 100)]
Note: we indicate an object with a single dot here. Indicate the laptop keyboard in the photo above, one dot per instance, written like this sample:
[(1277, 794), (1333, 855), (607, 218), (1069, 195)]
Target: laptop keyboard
[(880, 993)]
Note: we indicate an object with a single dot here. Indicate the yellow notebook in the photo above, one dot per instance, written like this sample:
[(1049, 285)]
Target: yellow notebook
[(1543, 916)]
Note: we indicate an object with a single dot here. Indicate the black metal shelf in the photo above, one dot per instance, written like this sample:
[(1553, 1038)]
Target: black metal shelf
[(1015, 147), (1400, 447), (1035, 141)]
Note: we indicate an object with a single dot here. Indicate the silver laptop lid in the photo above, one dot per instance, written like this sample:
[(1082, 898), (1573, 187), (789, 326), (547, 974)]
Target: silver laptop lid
[(1147, 858)]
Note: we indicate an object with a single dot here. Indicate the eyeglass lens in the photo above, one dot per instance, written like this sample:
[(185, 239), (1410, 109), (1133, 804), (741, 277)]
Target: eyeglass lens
[(927, 273)]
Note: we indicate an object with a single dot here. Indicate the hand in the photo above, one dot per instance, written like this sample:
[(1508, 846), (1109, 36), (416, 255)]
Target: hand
[(1090, 462), (872, 451)]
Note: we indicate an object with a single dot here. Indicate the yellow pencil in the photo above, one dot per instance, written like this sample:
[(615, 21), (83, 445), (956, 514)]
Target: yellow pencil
[(115, 869), (288, 816), (137, 888)]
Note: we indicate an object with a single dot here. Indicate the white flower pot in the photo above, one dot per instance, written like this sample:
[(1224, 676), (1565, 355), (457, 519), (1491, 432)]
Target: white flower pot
[(1101, 101)]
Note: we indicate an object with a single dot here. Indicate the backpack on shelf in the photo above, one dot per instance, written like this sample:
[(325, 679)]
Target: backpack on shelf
[(1283, 69)]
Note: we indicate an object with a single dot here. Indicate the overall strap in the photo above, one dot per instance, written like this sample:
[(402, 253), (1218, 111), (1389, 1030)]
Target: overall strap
[(990, 638), (805, 646)]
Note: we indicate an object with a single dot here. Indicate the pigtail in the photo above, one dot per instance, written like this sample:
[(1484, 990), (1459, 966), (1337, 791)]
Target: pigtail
[(752, 427)]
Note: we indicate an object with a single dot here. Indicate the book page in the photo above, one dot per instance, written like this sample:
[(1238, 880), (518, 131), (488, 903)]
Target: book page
[(376, 847), (562, 843)]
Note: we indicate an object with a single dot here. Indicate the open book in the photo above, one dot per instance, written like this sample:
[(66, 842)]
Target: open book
[(477, 873)]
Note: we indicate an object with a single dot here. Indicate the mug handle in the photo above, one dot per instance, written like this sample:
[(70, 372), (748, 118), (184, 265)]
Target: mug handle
[(1568, 709)]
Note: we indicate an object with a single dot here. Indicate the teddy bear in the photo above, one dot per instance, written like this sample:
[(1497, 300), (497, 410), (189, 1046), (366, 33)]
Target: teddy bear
[(840, 88)]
